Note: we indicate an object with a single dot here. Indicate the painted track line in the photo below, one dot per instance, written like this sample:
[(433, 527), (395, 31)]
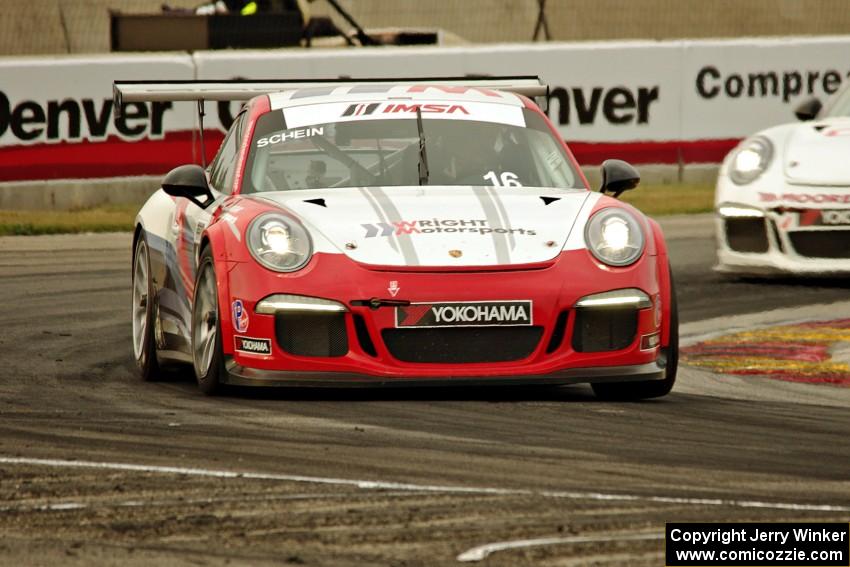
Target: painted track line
[(481, 552), (434, 488), (81, 505)]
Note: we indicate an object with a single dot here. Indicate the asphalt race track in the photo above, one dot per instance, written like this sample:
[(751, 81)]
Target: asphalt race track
[(99, 468)]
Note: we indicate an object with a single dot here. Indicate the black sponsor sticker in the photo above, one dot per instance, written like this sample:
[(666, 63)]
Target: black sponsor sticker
[(360, 109), (252, 345), (839, 217), (287, 135), (816, 217), (461, 314)]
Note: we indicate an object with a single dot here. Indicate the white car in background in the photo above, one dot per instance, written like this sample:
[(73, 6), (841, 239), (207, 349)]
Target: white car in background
[(783, 196)]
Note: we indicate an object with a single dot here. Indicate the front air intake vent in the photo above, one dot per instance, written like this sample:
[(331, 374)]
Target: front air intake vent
[(462, 344), (746, 234), (604, 329), (311, 334), (558, 332), (821, 243), (363, 336)]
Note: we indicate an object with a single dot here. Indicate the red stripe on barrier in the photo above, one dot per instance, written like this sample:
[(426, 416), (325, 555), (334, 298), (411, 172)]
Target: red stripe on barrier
[(649, 152), (112, 157), (115, 157)]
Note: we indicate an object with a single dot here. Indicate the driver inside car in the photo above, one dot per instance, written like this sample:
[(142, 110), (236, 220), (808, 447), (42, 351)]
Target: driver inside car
[(461, 160)]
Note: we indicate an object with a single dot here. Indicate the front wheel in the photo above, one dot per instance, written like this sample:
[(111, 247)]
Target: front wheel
[(207, 356), (650, 388), (144, 344)]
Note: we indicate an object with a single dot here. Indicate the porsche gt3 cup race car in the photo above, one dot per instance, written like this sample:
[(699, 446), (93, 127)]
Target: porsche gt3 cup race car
[(783, 196), (422, 232)]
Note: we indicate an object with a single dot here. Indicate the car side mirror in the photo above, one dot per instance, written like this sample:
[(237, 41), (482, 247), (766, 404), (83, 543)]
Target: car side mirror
[(618, 176), (189, 181), (808, 109)]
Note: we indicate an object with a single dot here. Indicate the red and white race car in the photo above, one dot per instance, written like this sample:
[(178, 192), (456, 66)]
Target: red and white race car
[(410, 232)]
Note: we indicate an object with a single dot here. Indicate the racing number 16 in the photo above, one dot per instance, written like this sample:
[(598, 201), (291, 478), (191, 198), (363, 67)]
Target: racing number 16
[(507, 179)]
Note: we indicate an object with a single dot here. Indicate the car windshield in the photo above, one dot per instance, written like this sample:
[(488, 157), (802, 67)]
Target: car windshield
[(386, 151)]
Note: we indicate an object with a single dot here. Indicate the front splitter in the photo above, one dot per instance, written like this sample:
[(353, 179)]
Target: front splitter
[(238, 375)]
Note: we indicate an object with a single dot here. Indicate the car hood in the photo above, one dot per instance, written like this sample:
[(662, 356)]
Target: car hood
[(818, 153), (439, 226)]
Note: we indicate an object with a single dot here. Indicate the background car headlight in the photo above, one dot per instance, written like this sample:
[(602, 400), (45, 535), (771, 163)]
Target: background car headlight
[(279, 243), (614, 237), (750, 160)]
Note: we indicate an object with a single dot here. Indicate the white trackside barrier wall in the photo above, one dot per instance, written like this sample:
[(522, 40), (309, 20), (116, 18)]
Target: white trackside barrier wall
[(57, 120), (734, 88), (674, 102)]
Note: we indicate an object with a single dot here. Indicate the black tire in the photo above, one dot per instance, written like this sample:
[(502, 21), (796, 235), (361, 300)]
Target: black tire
[(650, 388), (210, 373), (144, 342)]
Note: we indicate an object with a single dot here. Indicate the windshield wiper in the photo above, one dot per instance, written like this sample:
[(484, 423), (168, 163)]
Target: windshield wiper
[(423, 156)]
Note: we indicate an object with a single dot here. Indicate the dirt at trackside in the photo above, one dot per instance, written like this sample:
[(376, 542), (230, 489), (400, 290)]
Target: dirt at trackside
[(81, 517)]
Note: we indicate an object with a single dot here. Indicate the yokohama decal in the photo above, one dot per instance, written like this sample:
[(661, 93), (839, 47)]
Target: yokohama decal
[(253, 346), (477, 314), (790, 220)]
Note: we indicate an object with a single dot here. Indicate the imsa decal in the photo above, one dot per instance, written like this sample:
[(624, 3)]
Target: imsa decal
[(306, 115), (465, 314), (363, 109)]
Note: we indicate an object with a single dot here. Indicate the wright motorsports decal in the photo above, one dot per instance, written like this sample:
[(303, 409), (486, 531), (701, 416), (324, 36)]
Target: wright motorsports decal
[(440, 226)]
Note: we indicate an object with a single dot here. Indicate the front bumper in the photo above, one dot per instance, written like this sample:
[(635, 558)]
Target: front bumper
[(242, 376), (766, 246), (368, 358), (782, 228)]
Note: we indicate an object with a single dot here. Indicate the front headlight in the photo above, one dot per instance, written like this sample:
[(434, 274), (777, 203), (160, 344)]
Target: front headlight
[(278, 242), (614, 237), (750, 160)]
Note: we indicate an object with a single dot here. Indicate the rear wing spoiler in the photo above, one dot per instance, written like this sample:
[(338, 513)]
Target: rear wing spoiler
[(241, 90), (234, 90)]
